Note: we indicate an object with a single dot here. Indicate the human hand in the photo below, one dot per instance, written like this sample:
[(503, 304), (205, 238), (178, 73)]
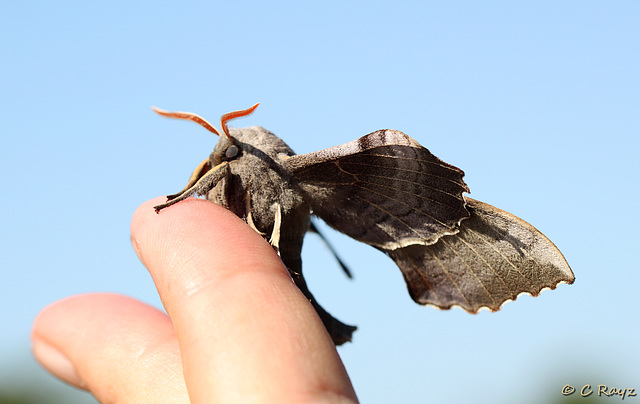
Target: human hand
[(237, 329)]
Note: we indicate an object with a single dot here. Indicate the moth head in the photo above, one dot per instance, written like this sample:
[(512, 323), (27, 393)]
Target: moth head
[(227, 148)]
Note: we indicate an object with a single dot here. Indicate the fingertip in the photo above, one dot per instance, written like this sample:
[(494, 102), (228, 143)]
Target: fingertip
[(115, 346), (47, 322), (144, 213), (52, 334), (56, 362), (200, 232), (47, 353)]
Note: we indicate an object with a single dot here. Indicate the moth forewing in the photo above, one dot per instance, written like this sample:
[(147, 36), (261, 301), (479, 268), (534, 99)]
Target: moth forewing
[(389, 191)]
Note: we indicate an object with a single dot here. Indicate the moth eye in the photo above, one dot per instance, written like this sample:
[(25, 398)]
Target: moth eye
[(231, 152)]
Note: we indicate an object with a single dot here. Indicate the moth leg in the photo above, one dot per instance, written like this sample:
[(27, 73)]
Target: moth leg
[(339, 331), (249, 217), (201, 187), (197, 174), (275, 234), (345, 269)]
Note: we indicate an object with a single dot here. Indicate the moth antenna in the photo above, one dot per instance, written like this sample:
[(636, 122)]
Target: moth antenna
[(232, 115), (189, 117)]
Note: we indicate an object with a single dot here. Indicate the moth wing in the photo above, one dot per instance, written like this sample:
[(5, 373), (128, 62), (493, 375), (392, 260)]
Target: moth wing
[(495, 257), (383, 189)]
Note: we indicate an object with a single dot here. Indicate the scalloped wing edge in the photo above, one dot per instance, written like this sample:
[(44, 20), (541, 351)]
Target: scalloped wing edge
[(487, 308), (495, 258)]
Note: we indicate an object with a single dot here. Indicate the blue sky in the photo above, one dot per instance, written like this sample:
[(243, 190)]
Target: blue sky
[(539, 103)]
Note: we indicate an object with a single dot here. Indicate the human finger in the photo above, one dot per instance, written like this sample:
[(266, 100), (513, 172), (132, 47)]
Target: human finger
[(244, 328), (119, 349)]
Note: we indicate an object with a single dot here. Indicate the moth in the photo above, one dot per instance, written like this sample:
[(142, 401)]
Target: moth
[(386, 190)]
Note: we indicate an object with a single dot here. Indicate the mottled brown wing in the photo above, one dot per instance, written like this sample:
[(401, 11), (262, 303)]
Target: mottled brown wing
[(383, 189), (495, 257)]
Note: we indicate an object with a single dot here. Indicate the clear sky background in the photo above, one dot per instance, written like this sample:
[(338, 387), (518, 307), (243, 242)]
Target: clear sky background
[(538, 102)]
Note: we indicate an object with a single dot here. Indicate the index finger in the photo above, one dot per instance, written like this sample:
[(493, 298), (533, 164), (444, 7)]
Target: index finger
[(243, 327)]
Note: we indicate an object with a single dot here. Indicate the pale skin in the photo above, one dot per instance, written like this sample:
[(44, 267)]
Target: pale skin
[(237, 330)]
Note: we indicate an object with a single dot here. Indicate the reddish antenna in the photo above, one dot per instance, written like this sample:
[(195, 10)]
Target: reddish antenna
[(232, 115), (189, 116)]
